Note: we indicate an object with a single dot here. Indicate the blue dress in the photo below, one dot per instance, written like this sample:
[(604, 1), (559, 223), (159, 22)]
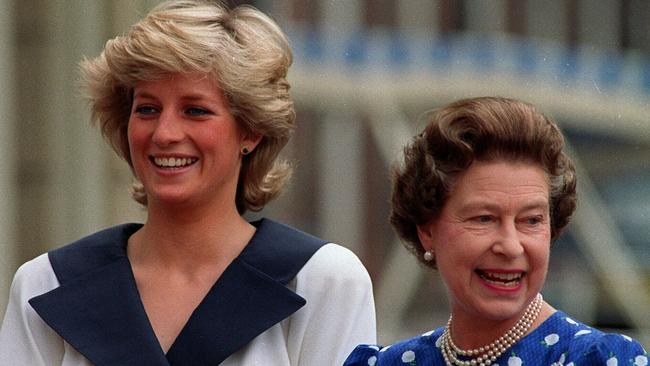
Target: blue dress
[(558, 341)]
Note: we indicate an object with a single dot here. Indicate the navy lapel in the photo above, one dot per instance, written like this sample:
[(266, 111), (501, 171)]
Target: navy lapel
[(249, 297), (97, 308), (240, 306)]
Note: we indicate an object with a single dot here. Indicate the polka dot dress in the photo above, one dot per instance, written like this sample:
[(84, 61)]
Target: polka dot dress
[(559, 341)]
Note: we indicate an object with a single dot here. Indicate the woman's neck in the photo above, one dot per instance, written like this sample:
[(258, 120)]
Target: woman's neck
[(188, 239)]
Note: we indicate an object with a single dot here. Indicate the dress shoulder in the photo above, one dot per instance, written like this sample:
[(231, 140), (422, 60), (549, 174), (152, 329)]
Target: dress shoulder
[(33, 278), (418, 350), (24, 338), (561, 340), (610, 349), (338, 292), (333, 262)]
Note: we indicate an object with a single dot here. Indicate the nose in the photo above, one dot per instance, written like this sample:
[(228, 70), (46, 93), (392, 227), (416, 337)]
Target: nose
[(508, 241), (168, 130)]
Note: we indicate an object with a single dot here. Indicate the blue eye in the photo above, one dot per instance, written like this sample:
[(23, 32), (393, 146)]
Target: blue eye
[(534, 220), (483, 219), (145, 110), (196, 111)]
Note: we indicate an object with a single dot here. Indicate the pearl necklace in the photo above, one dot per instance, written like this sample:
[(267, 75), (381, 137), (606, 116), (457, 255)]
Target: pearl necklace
[(489, 353)]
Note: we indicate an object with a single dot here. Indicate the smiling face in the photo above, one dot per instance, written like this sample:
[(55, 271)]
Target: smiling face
[(492, 239), (184, 142)]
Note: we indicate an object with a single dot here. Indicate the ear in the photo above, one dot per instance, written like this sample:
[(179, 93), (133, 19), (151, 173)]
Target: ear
[(426, 235), (251, 140)]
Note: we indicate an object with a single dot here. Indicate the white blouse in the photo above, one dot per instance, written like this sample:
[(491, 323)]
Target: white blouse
[(338, 315)]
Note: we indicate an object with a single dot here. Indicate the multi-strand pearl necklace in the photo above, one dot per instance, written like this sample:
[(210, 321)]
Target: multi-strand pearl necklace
[(485, 355)]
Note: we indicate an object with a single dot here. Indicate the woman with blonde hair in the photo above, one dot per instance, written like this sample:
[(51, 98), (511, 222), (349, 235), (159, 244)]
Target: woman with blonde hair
[(483, 191), (195, 99)]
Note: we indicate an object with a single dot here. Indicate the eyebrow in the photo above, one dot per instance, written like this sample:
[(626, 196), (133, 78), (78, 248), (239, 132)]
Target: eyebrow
[(537, 204), (190, 97), (477, 205), (143, 94)]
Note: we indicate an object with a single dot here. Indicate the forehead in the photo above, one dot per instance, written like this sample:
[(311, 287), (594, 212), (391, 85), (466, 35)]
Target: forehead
[(501, 182), (180, 82)]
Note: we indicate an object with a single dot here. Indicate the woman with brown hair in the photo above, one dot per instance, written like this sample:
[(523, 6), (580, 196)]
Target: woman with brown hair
[(484, 191), (195, 99)]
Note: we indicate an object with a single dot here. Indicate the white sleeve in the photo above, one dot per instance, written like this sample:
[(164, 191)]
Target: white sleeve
[(340, 309), (25, 340)]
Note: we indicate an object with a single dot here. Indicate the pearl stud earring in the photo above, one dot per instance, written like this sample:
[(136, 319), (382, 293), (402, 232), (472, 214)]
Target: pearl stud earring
[(428, 256)]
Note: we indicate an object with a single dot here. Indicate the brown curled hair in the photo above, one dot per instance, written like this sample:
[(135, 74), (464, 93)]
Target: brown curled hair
[(482, 129), (243, 50)]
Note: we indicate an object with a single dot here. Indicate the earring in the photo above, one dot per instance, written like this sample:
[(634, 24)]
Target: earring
[(244, 150), (428, 256)]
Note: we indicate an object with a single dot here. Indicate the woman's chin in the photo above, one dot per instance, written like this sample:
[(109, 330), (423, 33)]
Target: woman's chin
[(168, 197), (503, 308), (496, 305)]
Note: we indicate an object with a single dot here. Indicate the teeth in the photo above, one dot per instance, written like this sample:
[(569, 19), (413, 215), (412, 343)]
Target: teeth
[(507, 279), (173, 162), (501, 283), (505, 276)]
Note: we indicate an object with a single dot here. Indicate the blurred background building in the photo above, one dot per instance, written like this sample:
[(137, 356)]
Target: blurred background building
[(364, 73)]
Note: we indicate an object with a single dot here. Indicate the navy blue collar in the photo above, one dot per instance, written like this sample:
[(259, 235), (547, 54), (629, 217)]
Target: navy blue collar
[(97, 308)]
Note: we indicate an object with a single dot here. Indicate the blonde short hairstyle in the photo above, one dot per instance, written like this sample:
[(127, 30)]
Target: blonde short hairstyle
[(245, 52)]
